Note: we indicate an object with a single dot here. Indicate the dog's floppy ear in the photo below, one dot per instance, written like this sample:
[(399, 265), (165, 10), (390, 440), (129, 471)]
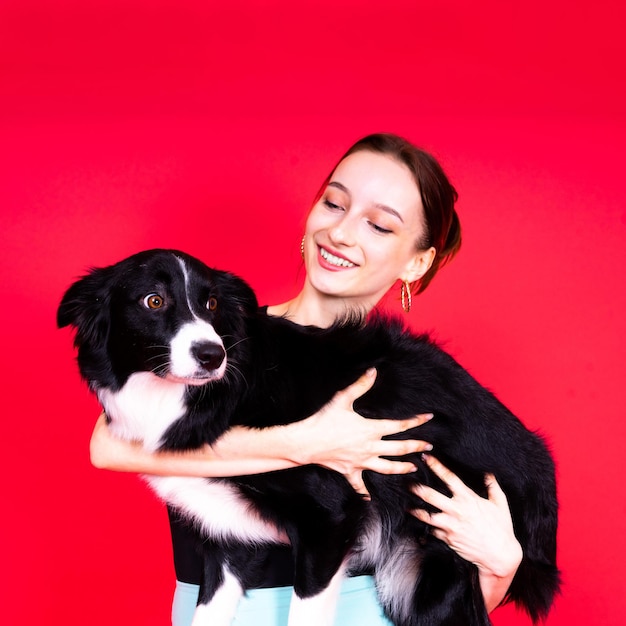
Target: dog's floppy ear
[(238, 291), (85, 307)]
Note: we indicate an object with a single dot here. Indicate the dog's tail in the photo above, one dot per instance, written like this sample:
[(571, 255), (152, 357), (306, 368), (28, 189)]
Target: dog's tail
[(429, 588)]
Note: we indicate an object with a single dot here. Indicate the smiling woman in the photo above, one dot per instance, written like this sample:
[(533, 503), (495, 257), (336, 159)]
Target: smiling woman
[(385, 214), (377, 219)]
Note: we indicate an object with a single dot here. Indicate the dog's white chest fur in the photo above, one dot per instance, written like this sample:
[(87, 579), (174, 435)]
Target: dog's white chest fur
[(142, 411), (144, 408)]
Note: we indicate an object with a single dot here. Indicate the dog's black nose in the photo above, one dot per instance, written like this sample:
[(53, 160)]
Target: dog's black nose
[(209, 355)]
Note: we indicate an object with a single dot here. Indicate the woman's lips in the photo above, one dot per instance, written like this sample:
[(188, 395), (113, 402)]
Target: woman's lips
[(334, 260)]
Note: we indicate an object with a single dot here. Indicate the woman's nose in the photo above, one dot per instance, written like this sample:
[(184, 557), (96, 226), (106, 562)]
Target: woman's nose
[(342, 232)]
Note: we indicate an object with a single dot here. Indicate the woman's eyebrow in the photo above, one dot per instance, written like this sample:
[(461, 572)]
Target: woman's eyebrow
[(377, 205), (388, 209), (337, 184)]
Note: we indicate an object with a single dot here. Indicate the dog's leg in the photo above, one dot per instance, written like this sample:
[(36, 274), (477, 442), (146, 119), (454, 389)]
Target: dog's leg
[(220, 611), (318, 610)]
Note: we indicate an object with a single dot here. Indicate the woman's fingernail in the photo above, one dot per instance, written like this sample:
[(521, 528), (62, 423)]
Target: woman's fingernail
[(428, 447)]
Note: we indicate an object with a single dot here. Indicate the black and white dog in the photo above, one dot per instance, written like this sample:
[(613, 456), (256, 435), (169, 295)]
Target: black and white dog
[(178, 352)]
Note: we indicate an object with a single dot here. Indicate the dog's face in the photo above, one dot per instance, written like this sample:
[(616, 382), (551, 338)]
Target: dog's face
[(159, 311)]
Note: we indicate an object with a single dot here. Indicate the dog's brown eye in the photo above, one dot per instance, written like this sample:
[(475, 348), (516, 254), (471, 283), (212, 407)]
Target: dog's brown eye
[(153, 301), (212, 304)]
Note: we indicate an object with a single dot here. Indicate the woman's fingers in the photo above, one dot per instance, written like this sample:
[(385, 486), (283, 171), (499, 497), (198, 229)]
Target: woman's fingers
[(447, 505), (360, 387), (452, 481), (385, 466), (393, 447), (495, 493), (434, 498), (356, 481), (387, 427)]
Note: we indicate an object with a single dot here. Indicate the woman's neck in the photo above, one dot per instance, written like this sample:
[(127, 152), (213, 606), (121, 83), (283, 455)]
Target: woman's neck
[(309, 309)]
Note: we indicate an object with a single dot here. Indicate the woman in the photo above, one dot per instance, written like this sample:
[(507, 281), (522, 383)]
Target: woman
[(385, 214)]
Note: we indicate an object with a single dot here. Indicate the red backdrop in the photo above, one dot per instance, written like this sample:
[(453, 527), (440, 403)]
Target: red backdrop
[(134, 124)]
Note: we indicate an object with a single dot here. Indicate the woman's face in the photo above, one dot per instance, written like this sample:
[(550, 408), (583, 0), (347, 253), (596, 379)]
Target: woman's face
[(362, 234)]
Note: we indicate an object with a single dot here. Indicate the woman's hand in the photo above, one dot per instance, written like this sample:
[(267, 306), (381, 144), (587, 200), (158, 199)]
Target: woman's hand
[(479, 530), (342, 440)]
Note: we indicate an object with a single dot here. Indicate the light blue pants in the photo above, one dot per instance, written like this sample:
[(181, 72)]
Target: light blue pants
[(358, 605)]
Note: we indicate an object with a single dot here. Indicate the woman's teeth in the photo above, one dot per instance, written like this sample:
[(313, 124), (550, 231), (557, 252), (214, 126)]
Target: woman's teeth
[(335, 260)]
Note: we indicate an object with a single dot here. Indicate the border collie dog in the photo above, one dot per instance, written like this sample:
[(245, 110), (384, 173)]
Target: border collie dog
[(178, 352)]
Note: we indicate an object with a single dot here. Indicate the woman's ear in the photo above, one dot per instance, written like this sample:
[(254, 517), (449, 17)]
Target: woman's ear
[(419, 265)]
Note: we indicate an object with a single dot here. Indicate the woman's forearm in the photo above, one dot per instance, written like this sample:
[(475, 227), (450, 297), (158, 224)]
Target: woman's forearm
[(495, 586), (240, 451)]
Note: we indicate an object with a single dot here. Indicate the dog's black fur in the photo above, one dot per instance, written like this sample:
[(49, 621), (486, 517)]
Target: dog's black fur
[(278, 373)]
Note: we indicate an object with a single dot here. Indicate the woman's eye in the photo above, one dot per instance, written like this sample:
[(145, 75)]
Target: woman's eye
[(380, 229), (153, 301), (331, 205), (212, 304)]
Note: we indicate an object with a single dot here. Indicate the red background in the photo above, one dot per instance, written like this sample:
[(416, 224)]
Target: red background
[(135, 124)]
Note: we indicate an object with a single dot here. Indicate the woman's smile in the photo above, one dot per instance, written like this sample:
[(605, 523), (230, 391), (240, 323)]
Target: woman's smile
[(334, 260)]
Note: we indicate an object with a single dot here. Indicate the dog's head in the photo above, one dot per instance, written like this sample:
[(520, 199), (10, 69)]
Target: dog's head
[(158, 311)]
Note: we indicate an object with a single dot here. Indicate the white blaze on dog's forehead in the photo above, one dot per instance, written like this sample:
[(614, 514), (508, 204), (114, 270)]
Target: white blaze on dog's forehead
[(185, 270)]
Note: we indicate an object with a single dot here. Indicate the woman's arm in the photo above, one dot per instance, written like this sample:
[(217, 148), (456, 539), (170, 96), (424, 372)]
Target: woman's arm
[(240, 451), (480, 530), (335, 437)]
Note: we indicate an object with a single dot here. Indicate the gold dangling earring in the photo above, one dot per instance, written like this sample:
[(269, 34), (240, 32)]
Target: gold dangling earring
[(302, 246), (405, 295)]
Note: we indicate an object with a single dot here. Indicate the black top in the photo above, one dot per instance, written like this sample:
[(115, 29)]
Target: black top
[(278, 571)]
